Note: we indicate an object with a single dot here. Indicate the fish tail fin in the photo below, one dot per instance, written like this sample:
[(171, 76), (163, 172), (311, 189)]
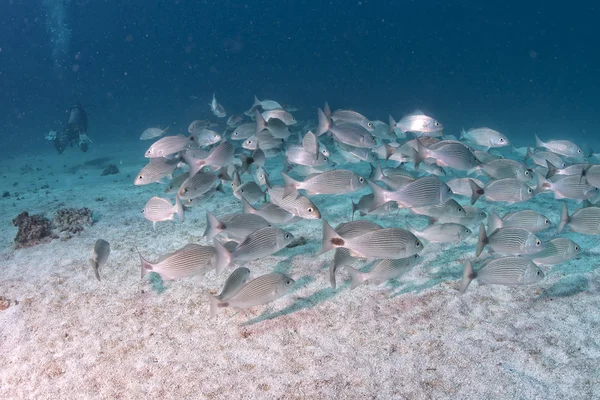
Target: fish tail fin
[(246, 162), (95, 267), (267, 182), (467, 277), (166, 129), (179, 209), (261, 123), (256, 102), (213, 226), (483, 240), (331, 238), (326, 110), (376, 172), (392, 124), (247, 207), (357, 278), (223, 174), (195, 165), (494, 221), (290, 184), (223, 256), (529, 154), (379, 195), (219, 188), (564, 218), (332, 270), (324, 123), (476, 191), (214, 305), (551, 170), (419, 154), (463, 133), (146, 266), (538, 142), (542, 183)]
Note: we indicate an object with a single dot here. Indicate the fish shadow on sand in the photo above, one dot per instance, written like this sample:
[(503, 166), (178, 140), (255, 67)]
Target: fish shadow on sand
[(446, 274), (99, 162), (300, 303), (567, 286)]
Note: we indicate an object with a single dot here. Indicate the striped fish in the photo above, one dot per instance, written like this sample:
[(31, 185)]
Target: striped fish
[(392, 243), (443, 233), (295, 203), (425, 191), (175, 184), (196, 185), (233, 226), (556, 251), (270, 212), (190, 260), (502, 271), (261, 290), (568, 187), (531, 220), (101, 253), (585, 220), (155, 171), (339, 181), (168, 145), (382, 270), (515, 241), (234, 283), (250, 191), (507, 190), (218, 157), (160, 209), (261, 243), (506, 168)]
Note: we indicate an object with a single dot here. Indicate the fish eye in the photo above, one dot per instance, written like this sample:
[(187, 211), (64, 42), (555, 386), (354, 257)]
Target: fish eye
[(529, 190), (140, 177), (482, 214), (538, 273), (468, 231), (579, 151), (547, 221), (287, 235), (185, 190), (449, 190), (309, 209), (325, 158), (501, 140), (288, 282), (418, 243), (361, 179), (576, 248), (460, 209), (538, 242), (370, 124), (527, 173)]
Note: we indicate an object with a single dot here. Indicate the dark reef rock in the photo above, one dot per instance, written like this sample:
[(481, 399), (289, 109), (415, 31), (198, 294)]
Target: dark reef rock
[(33, 229), (110, 169), (70, 221), (5, 194)]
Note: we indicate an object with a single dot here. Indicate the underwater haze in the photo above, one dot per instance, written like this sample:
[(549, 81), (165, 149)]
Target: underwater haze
[(522, 67)]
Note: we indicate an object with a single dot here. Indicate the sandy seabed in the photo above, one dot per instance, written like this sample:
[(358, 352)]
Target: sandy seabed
[(71, 336)]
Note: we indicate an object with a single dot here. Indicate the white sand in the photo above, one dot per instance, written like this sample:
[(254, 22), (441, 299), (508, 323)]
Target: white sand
[(73, 337)]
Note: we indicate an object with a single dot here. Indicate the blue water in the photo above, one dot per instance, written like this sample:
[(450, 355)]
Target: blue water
[(519, 67)]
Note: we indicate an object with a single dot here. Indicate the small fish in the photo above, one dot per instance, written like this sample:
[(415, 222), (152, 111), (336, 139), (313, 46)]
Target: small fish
[(419, 124), (508, 190), (205, 137), (449, 209), (366, 204), (352, 135), (392, 243), (556, 251), (298, 155), (233, 226), (235, 120), (257, 159), (592, 175), (295, 203), (352, 117), (198, 126), (234, 283), (216, 108), (264, 141), (266, 104), (563, 147), (244, 131), (484, 137), (219, 156), (270, 212), (575, 169), (585, 220), (175, 183), (168, 145), (339, 181), (542, 158), (204, 197), (152, 133), (251, 192), (453, 154), (568, 187), (279, 114), (261, 290), (101, 253), (530, 220), (472, 219), (505, 168), (197, 185), (159, 209), (190, 260), (155, 171), (463, 186), (261, 177), (502, 271), (510, 240), (382, 270), (443, 233), (425, 191), (275, 126)]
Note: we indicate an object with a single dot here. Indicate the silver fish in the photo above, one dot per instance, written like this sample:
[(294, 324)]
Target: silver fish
[(175, 183), (264, 141), (168, 145), (217, 109), (542, 158), (159, 209), (366, 204), (352, 117), (507, 190), (257, 159), (234, 283), (295, 203), (197, 185), (275, 126), (454, 154), (250, 191), (585, 220), (506, 168), (190, 260), (352, 135), (485, 137), (502, 271), (563, 147), (510, 240), (298, 155), (472, 219), (101, 253), (233, 226), (556, 251), (419, 124), (531, 220), (198, 126), (152, 133), (575, 169), (568, 187), (261, 290), (462, 186), (243, 131), (235, 120), (592, 175), (449, 209), (204, 197), (270, 212), (205, 137), (218, 157), (382, 270), (261, 177), (392, 243), (425, 191), (282, 115), (339, 181), (266, 104), (155, 171), (443, 233)]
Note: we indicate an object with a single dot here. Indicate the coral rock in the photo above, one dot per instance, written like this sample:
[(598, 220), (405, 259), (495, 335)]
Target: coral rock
[(111, 169), (33, 229), (69, 221)]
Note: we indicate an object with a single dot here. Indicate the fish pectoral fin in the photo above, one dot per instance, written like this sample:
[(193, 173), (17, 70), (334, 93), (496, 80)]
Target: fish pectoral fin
[(356, 254)]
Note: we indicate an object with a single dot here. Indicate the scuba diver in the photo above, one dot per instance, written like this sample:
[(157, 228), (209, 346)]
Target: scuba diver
[(74, 133)]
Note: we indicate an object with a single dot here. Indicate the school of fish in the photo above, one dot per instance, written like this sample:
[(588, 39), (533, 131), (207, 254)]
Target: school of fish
[(414, 165)]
